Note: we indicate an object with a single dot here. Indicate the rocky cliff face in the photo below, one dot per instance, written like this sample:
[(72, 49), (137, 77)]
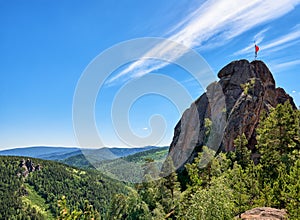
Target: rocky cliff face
[(229, 107)]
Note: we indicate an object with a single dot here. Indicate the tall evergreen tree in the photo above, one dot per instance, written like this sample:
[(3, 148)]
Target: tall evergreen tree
[(278, 137), (292, 191), (169, 186), (242, 153), (200, 171), (211, 202)]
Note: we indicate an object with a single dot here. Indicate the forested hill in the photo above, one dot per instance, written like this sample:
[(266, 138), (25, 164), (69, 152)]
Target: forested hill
[(157, 154), (36, 196), (218, 186)]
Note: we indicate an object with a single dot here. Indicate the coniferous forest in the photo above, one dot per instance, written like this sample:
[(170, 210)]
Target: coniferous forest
[(230, 183), (150, 110)]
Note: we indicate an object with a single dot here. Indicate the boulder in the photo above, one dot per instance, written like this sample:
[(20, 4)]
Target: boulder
[(265, 213)]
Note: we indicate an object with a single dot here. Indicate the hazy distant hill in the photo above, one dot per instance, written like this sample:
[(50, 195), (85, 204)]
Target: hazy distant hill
[(62, 153), (132, 167), (134, 155), (42, 152), (104, 154)]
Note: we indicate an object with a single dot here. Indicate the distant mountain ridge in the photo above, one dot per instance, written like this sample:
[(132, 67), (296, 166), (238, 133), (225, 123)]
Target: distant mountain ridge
[(157, 154), (42, 152), (62, 153)]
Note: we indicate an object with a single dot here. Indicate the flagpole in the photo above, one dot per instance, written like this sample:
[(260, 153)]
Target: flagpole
[(255, 53), (256, 49)]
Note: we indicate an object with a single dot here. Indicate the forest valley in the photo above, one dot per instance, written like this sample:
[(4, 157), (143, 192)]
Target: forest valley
[(227, 186)]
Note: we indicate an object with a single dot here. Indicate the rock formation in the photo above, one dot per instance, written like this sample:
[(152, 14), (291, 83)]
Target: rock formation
[(232, 105), (28, 167), (264, 213)]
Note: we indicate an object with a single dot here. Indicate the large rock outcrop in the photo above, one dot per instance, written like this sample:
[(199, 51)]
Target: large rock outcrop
[(28, 167), (229, 107)]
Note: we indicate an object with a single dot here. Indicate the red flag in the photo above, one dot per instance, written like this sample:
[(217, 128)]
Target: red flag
[(256, 48)]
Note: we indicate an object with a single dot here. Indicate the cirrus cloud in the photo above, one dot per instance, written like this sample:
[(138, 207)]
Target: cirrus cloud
[(212, 24)]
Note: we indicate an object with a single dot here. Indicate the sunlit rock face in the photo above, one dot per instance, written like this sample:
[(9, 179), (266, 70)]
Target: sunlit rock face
[(233, 105)]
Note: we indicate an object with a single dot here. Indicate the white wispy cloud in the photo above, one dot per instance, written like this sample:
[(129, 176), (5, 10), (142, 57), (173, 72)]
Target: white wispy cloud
[(213, 23), (260, 35), (258, 38), (284, 41), (277, 44), (285, 65)]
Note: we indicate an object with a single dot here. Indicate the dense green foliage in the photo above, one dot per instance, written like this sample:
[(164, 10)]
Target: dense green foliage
[(87, 213), (218, 186), (131, 168), (226, 185), (36, 196), (157, 154), (78, 161), (11, 190), (56, 180), (279, 145)]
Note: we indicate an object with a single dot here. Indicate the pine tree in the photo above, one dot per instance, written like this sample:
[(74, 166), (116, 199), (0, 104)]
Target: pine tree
[(219, 165), (200, 171), (242, 153), (278, 138), (169, 187), (87, 214), (292, 191), (278, 144), (129, 207), (137, 208), (148, 189), (252, 172), (237, 180), (118, 207), (211, 202)]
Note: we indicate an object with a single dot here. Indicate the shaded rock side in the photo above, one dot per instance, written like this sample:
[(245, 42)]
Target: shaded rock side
[(233, 105)]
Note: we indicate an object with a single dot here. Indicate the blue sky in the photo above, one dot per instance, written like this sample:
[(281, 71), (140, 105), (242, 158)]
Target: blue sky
[(46, 45)]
